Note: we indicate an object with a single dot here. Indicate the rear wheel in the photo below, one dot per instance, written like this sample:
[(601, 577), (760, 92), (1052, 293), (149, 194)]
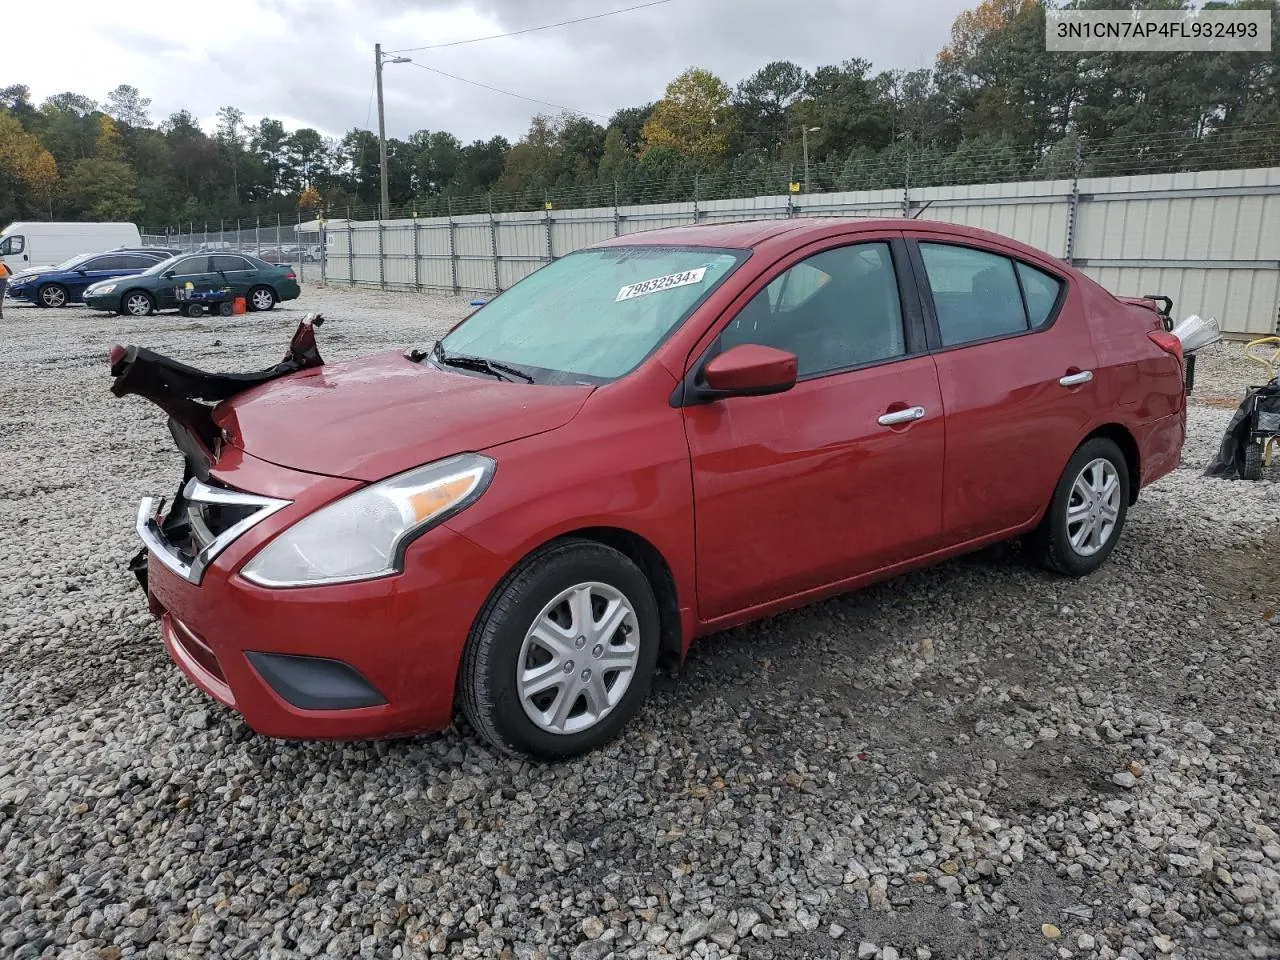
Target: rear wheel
[(1253, 461), (562, 655), (261, 298), (1085, 518), (137, 303), (53, 295)]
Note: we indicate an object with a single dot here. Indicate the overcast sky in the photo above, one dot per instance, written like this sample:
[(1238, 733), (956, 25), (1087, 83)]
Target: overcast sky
[(310, 62)]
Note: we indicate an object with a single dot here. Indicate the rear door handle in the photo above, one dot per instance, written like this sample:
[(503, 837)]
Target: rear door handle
[(901, 416), (1075, 379)]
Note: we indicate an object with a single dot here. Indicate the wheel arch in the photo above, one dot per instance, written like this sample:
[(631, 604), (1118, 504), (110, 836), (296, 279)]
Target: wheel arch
[(655, 568), (1119, 435)]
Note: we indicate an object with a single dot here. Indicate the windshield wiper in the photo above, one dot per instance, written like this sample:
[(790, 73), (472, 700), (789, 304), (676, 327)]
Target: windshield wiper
[(461, 360)]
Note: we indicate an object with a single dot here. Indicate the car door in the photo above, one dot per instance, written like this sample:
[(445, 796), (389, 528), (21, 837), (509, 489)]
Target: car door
[(193, 270), (1015, 365), (839, 475), (238, 272), (90, 272)]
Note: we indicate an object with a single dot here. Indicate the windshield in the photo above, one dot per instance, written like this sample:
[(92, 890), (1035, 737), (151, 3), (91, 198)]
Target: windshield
[(69, 264), (594, 314)]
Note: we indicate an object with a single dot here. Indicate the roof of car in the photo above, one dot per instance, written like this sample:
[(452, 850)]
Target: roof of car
[(749, 234)]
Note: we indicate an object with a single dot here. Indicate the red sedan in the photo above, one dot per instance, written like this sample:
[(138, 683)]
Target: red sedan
[(648, 440)]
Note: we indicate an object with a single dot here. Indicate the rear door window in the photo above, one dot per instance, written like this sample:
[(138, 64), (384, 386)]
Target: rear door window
[(229, 264), (975, 293)]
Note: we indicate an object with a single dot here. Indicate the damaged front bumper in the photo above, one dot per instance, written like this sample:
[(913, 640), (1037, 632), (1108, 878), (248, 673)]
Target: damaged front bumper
[(186, 533)]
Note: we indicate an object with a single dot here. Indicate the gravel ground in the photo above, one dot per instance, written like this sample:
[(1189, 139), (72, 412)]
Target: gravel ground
[(978, 760)]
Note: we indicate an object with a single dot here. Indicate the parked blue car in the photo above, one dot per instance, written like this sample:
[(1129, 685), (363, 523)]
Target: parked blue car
[(66, 283)]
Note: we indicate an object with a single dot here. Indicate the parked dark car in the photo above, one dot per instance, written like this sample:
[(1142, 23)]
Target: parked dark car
[(67, 282), (652, 439), (262, 284)]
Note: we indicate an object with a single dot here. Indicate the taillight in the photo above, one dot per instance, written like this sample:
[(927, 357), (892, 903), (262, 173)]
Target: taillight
[(1167, 342), (293, 276)]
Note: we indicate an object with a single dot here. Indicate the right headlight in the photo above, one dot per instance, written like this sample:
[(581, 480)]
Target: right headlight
[(103, 288), (364, 534)]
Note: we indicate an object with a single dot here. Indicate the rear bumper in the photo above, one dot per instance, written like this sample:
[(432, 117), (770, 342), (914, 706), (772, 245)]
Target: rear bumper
[(1160, 445)]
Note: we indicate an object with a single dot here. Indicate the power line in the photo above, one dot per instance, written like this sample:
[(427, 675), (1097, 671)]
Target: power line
[(548, 26), (521, 96)]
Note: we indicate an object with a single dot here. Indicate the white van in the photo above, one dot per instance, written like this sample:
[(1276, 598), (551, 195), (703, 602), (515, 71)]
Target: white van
[(24, 246)]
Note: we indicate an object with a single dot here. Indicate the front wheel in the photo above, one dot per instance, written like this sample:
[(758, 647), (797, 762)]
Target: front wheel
[(563, 653), (137, 303), (53, 295), (1090, 503), (261, 298)]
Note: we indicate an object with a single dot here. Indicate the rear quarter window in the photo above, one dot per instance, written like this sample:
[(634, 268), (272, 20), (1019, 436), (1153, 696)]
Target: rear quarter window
[(1041, 291)]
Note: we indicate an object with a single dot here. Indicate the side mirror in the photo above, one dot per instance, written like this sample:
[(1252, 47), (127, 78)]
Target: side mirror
[(168, 274), (80, 271), (748, 370)]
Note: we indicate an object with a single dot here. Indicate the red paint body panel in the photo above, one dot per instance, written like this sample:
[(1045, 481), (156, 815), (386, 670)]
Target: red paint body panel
[(755, 504), (805, 488)]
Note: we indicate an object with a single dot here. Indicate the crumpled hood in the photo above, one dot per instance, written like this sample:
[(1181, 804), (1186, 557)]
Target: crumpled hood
[(377, 416)]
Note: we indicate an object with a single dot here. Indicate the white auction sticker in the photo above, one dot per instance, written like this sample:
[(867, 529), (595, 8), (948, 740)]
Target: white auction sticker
[(668, 282)]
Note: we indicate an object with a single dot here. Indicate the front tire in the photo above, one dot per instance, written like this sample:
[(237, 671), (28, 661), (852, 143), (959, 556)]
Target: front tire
[(137, 303), (1087, 514), (261, 298), (53, 295), (563, 653)]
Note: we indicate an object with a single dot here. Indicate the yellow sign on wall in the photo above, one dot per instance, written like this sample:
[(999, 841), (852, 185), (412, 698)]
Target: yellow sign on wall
[(795, 188)]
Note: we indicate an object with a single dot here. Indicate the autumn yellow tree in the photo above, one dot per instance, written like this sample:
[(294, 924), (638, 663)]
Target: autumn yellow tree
[(23, 158), (973, 26), (309, 199), (108, 145), (693, 117)]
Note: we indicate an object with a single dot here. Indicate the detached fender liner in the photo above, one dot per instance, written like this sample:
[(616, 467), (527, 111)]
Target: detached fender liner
[(315, 683)]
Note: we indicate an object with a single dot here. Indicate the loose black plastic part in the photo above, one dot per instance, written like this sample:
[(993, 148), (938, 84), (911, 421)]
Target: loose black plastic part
[(315, 683)]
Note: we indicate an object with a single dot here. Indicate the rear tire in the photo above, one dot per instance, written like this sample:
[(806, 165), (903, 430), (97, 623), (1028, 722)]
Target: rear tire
[(1253, 461), (53, 295), (261, 298), (541, 671), (1086, 516)]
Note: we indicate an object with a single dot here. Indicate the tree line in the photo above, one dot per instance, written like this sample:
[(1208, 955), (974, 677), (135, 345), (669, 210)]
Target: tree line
[(995, 106)]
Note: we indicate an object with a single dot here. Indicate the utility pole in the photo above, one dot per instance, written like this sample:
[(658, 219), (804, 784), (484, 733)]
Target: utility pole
[(382, 126), (382, 134), (804, 137)]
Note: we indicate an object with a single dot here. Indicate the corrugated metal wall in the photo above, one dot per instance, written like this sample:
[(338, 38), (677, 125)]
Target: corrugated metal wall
[(1209, 240)]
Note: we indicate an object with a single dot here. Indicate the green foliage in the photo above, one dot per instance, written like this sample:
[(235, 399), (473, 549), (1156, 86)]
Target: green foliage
[(995, 106)]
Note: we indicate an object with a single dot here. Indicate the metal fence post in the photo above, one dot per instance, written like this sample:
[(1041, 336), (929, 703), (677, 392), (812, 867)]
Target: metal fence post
[(546, 205), (257, 236), (382, 260), (417, 268), (1073, 202), (906, 189), (324, 247), (206, 234), (351, 251), (279, 245), (695, 198), (617, 217), (493, 246), (453, 247)]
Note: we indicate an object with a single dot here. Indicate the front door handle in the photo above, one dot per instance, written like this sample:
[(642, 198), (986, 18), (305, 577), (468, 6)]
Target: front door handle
[(1075, 379), (901, 416)]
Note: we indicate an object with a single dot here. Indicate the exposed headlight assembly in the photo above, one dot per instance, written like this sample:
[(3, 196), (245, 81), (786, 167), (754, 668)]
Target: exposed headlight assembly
[(363, 535)]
